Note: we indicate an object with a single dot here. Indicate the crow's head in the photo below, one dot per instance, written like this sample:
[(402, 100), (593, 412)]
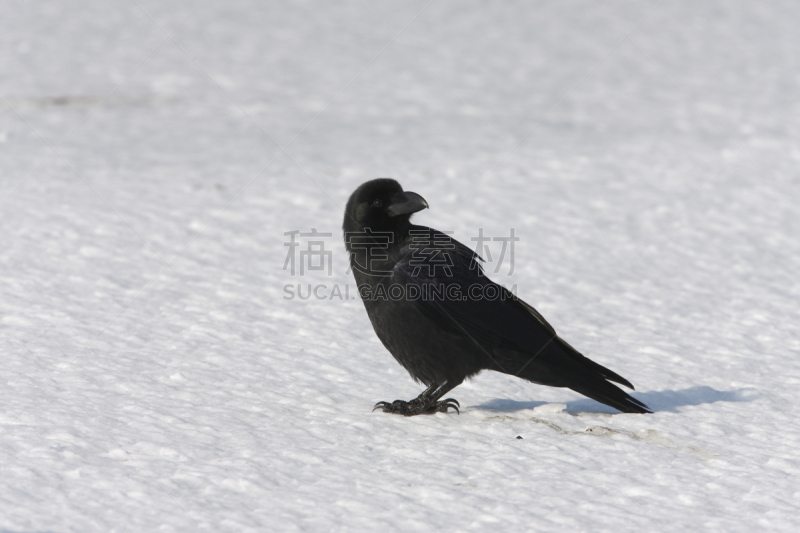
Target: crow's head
[(381, 205)]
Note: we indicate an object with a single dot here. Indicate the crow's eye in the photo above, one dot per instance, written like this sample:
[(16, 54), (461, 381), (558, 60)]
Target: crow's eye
[(377, 203)]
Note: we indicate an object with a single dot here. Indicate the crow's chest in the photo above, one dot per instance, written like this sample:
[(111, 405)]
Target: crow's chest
[(428, 352)]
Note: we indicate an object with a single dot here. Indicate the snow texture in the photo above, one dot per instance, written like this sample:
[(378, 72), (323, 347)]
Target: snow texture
[(156, 375)]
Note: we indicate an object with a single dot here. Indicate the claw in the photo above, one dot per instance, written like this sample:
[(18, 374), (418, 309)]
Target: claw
[(448, 400), (395, 407), (381, 405), (447, 404)]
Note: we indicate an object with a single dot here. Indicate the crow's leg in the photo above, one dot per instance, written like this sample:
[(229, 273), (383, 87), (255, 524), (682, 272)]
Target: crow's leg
[(426, 403)]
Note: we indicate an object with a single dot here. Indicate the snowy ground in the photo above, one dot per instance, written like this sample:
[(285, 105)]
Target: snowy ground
[(153, 154)]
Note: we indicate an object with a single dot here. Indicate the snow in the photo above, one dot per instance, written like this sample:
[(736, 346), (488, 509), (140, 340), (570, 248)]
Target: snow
[(154, 154)]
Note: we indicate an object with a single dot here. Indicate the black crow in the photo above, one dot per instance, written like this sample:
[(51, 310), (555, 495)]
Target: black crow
[(443, 320)]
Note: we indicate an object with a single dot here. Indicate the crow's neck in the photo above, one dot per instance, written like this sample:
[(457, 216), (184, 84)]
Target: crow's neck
[(374, 253)]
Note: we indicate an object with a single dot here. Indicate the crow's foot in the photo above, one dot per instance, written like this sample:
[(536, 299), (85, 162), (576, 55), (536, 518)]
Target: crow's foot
[(417, 407)]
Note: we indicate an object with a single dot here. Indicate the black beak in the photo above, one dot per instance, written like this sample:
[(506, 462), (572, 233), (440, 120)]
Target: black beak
[(405, 203)]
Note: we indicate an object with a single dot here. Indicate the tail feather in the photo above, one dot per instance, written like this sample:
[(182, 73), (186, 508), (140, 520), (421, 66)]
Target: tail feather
[(596, 367), (557, 366), (609, 394)]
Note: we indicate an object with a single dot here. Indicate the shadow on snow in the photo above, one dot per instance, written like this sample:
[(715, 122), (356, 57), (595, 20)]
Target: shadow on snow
[(658, 401)]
